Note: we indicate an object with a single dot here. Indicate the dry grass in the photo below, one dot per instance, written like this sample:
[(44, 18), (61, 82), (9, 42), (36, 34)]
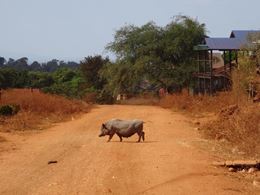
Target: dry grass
[(197, 104), (37, 109), (90, 98), (240, 128), (39, 102)]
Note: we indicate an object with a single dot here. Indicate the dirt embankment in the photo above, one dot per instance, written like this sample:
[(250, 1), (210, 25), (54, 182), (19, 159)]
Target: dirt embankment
[(170, 161), (233, 121), (239, 126)]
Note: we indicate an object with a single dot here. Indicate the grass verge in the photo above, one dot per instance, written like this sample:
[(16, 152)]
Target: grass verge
[(38, 109), (237, 120)]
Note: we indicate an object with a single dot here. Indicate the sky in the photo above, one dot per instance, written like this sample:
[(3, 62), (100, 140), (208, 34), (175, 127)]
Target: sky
[(73, 29)]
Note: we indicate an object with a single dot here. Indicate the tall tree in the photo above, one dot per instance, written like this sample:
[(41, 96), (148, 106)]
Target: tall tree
[(2, 61), (90, 68), (51, 66), (10, 61), (21, 64), (35, 66), (163, 55)]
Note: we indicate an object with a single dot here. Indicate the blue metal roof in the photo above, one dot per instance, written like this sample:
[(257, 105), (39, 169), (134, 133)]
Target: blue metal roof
[(223, 43), (239, 39), (243, 35)]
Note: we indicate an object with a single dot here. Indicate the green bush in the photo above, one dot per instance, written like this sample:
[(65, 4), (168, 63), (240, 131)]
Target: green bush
[(8, 110)]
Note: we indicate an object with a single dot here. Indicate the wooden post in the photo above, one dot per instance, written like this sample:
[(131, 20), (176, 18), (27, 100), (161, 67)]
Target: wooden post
[(211, 71), (205, 63), (230, 60), (225, 69), (198, 72), (237, 59)]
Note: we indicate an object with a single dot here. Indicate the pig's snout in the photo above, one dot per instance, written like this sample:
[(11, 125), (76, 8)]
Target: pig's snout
[(101, 135)]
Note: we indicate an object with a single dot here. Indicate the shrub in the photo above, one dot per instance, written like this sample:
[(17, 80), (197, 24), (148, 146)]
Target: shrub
[(8, 110)]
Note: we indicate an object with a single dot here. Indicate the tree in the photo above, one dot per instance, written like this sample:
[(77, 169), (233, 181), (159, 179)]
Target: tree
[(90, 68), (21, 79), (10, 61), (40, 79), (19, 64), (2, 61), (163, 55), (51, 66), (66, 82), (64, 75), (35, 66), (8, 78), (119, 77), (70, 64)]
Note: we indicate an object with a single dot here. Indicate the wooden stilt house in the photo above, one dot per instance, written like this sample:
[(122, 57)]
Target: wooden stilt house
[(208, 78)]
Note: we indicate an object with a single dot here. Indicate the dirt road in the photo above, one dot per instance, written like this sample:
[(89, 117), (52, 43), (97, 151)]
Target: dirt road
[(167, 163)]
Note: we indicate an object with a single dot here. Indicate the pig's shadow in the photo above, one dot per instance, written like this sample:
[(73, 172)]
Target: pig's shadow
[(134, 142)]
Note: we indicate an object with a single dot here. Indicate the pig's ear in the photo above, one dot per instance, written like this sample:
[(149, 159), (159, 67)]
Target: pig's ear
[(104, 126)]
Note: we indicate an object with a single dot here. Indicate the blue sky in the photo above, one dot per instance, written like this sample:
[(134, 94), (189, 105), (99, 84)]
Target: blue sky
[(72, 29)]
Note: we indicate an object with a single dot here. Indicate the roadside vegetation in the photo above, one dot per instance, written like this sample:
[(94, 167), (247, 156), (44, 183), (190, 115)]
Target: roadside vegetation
[(37, 109)]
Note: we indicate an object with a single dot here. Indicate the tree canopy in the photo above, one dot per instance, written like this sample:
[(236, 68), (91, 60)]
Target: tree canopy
[(161, 55), (90, 68), (49, 66)]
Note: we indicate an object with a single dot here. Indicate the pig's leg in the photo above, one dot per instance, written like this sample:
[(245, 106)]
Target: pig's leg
[(140, 135), (120, 137), (143, 135), (140, 132), (110, 137)]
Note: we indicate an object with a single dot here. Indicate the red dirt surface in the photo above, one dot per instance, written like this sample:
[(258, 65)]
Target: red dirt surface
[(168, 162)]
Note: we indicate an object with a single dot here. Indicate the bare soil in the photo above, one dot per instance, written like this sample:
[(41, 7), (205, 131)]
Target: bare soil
[(168, 162)]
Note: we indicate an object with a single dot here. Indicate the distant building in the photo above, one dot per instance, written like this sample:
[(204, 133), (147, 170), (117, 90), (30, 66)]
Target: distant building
[(215, 75)]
